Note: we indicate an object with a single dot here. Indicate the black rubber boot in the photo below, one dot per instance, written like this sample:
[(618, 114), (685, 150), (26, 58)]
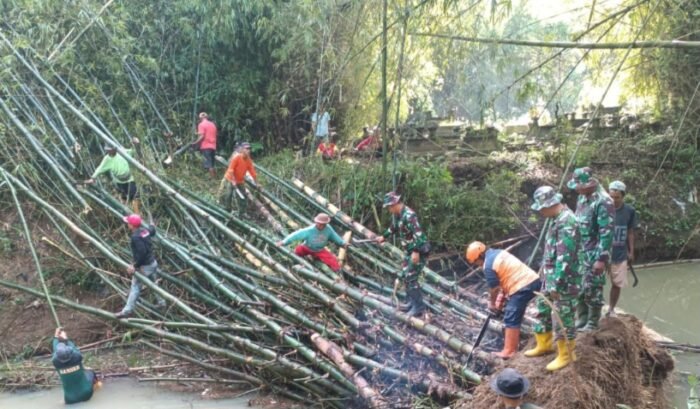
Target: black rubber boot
[(581, 315), (416, 298)]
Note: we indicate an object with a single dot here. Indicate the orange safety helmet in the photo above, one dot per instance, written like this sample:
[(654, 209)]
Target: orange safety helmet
[(474, 251)]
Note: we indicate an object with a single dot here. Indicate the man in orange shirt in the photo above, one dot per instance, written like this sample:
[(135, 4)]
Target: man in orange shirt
[(506, 274), (207, 142), (240, 164)]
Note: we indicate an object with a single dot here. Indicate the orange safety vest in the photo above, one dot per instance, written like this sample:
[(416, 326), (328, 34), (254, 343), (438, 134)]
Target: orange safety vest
[(513, 274)]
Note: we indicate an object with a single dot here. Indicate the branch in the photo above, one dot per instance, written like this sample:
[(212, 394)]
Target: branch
[(569, 44)]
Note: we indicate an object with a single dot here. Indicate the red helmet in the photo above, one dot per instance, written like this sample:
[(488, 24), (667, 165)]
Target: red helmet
[(133, 220)]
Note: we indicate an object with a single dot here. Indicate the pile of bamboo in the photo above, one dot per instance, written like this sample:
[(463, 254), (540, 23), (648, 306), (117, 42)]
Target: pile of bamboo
[(280, 322)]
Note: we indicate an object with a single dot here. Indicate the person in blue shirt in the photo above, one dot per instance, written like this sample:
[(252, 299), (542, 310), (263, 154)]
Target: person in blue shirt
[(314, 240)]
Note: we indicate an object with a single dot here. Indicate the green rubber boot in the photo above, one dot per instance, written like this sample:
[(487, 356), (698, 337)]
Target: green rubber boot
[(581, 315), (593, 318)]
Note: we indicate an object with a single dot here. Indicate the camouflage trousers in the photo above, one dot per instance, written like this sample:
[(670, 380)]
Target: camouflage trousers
[(592, 291), (228, 195), (565, 308), (410, 273)]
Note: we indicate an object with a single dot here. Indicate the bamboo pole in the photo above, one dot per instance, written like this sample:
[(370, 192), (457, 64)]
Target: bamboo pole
[(673, 44), (28, 236)]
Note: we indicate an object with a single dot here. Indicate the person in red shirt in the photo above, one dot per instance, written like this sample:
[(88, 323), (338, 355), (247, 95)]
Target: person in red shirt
[(327, 149), (370, 143), (241, 164), (207, 142)]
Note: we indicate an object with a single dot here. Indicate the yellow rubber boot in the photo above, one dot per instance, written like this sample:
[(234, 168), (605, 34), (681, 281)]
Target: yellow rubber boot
[(572, 350), (564, 357), (544, 345)]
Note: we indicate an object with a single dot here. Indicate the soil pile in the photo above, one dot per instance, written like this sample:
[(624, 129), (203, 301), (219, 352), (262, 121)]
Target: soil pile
[(618, 364)]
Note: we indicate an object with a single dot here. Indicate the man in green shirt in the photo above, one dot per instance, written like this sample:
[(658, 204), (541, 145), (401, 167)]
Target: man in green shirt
[(118, 167), (78, 382)]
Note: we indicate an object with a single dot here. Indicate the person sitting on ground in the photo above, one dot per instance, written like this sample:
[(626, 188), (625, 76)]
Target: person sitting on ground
[(314, 239), (511, 388), (623, 242), (78, 382), (327, 149), (144, 261), (240, 165), (370, 142), (118, 167), (506, 274)]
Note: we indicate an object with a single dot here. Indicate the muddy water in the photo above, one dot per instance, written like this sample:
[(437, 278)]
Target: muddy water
[(120, 394), (667, 299)]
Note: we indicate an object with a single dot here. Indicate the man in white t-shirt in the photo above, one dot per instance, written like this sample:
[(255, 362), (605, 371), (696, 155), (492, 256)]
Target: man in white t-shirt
[(320, 125)]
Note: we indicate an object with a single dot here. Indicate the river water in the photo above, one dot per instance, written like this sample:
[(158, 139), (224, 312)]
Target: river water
[(119, 394), (667, 300)]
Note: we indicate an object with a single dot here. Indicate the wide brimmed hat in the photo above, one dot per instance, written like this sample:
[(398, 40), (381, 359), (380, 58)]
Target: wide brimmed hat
[(322, 218), (544, 197), (583, 178), (510, 383), (391, 199), (617, 185), (110, 147)]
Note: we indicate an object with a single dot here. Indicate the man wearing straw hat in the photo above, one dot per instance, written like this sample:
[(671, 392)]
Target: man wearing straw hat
[(241, 164), (314, 240)]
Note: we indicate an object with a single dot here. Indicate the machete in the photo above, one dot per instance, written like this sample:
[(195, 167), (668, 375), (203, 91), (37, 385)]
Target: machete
[(479, 337), (636, 280)]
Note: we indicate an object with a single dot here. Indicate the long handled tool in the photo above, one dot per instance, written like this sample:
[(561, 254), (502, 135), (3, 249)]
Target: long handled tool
[(363, 241), (479, 338), (169, 159), (636, 280)]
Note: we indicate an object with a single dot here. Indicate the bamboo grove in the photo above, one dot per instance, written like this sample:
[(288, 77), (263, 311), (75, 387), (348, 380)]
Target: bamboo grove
[(282, 323)]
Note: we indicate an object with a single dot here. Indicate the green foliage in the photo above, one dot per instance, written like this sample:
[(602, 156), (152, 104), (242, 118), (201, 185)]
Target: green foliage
[(452, 215)]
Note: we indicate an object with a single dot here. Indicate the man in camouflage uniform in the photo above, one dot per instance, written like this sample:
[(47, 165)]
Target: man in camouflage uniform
[(595, 214), (562, 279), (414, 242)]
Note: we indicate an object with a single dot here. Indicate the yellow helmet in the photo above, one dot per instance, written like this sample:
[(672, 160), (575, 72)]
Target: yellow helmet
[(474, 251)]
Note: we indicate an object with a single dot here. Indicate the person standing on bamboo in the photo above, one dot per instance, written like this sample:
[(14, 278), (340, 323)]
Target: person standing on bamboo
[(623, 242), (506, 274), (206, 142), (241, 164), (315, 238), (119, 169), (595, 214), (415, 243), (78, 383), (144, 262), (562, 279)]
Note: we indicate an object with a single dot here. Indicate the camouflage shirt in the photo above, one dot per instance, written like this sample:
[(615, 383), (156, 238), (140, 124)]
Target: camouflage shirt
[(560, 259), (595, 214), (409, 230)]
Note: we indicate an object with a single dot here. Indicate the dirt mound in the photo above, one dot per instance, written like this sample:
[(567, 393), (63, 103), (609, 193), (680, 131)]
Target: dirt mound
[(617, 364)]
